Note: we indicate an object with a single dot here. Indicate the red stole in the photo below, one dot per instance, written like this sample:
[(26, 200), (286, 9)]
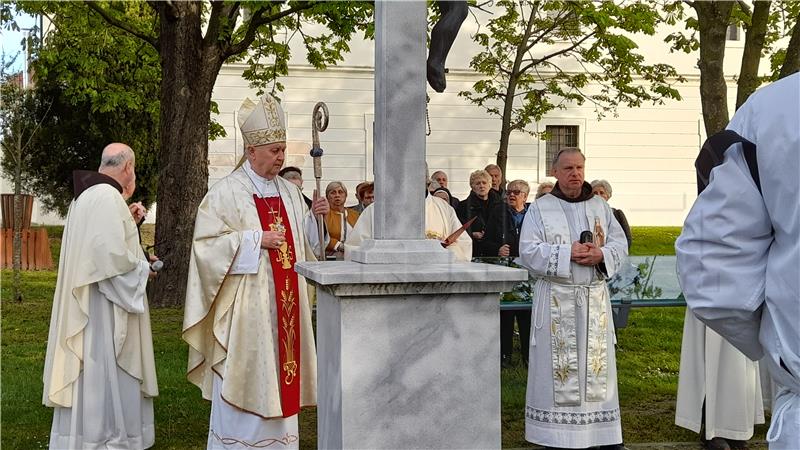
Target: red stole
[(273, 217)]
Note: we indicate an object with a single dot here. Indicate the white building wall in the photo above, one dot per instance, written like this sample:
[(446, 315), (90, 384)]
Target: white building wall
[(646, 153)]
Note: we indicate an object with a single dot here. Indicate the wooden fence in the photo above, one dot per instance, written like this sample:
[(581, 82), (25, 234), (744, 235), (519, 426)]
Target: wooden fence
[(35, 249)]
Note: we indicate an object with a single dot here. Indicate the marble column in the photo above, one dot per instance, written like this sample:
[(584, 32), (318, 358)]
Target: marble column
[(399, 147), (408, 341), (408, 356)]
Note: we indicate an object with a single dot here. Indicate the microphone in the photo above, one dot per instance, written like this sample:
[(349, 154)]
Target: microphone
[(157, 265), (586, 237)]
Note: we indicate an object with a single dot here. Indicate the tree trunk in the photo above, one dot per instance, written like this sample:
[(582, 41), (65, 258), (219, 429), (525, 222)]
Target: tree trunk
[(792, 62), (18, 212), (189, 71), (753, 46), (713, 18), (505, 129)]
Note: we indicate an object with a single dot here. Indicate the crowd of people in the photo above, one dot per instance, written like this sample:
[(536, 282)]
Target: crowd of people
[(247, 315)]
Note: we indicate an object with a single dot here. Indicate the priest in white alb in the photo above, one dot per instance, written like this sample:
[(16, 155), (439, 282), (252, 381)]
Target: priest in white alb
[(739, 248), (719, 388), (247, 316), (571, 240), (99, 371)]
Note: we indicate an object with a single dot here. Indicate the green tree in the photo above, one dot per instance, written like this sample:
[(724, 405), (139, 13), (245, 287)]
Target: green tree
[(192, 40), (21, 116), (542, 55), (766, 23), (103, 87)]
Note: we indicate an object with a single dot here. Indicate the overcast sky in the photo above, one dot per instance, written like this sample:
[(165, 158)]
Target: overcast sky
[(12, 40)]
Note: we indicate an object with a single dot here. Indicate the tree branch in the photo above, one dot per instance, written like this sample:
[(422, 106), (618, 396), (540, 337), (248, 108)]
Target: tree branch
[(745, 7), (791, 63), (558, 53), (218, 10), (121, 25), (480, 6), (234, 10), (259, 19)]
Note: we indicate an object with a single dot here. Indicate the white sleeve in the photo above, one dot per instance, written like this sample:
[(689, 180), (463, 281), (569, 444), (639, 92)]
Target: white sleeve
[(127, 290), (312, 232), (462, 248), (538, 256), (249, 254), (722, 254), (615, 250), (361, 232)]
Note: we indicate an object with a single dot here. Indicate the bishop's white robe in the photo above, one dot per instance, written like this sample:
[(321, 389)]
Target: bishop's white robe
[(99, 370), (440, 222), (230, 319), (714, 372), (739, 249), (571, 400)]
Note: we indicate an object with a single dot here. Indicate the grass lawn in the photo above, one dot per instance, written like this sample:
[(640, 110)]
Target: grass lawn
[(654, 240), (648, 360)]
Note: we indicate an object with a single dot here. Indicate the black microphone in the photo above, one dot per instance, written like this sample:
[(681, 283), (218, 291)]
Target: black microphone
[(586, 237)]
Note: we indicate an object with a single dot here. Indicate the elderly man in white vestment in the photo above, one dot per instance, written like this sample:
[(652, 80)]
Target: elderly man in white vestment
[(572, 378), (247, 319), (739, 249), (99, 372), (440, 222)]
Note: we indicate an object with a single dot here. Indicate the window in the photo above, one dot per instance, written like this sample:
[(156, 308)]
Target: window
[(558, 137), (732, 34)]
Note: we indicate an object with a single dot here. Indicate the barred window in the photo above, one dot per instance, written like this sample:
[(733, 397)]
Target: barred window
[(558, 137), (732, 33)]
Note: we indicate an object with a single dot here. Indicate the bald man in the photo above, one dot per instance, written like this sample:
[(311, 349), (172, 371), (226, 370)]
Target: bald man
[(99, 373)]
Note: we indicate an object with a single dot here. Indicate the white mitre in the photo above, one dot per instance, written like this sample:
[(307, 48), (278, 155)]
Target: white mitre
[(263, 122)]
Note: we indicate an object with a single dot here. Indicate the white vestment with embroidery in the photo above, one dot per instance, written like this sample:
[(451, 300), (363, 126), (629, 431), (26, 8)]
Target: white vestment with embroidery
[(572, 380)]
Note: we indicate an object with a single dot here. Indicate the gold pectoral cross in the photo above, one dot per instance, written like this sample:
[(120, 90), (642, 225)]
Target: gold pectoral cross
[(284, 252)]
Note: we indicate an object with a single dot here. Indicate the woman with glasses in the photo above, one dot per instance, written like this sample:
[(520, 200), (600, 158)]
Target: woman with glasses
[(502, 239)]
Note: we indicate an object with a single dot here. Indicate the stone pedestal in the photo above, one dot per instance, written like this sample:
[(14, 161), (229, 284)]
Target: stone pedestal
[(409, 356)]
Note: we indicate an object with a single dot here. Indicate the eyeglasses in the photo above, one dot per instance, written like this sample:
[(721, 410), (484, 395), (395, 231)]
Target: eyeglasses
[(516, 192)]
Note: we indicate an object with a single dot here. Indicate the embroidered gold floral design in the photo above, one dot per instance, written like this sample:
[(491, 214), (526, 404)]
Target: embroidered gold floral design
[(289, 320), (561, 368), (430, 234), (597, 348), (284, 252)]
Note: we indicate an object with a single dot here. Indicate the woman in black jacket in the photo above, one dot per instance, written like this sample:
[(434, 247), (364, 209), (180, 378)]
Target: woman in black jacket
[(480, 204), (502, 239), (603, 189)]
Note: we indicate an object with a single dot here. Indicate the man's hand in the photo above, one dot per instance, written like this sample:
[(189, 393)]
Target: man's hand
[(137, 211), (272, 239), (320, 205), (505, 250), (592, 257), (152, 258), (579, 251), (478, 235)]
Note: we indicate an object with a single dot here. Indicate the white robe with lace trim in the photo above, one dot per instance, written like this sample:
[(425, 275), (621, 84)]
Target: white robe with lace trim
[(590, 423)]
